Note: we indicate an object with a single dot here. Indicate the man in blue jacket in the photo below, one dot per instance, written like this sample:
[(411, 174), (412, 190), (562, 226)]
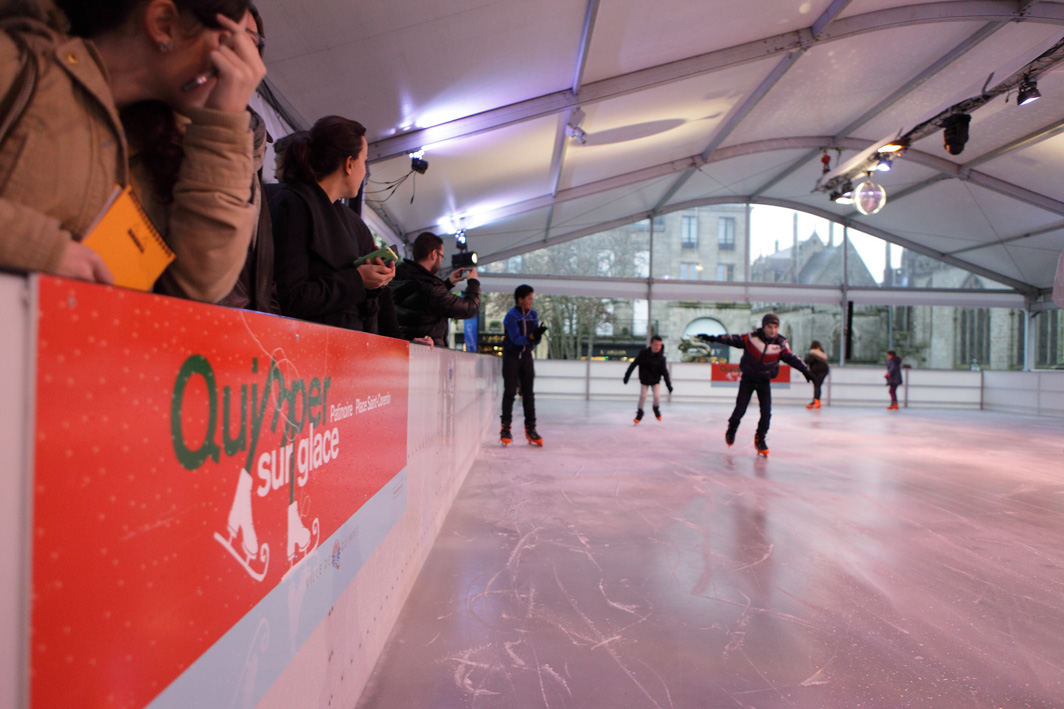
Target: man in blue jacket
[(763, 349), (523, 333)]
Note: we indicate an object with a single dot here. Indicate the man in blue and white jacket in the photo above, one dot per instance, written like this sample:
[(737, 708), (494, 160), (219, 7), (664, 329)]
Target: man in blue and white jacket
[(763, 349), (523, 333)]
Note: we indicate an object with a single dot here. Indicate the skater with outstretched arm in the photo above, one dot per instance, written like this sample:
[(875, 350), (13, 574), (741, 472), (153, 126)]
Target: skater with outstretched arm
[(763, 349), (652, 368)]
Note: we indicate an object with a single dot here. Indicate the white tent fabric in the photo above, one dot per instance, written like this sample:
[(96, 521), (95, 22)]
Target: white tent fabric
[(690, 102)]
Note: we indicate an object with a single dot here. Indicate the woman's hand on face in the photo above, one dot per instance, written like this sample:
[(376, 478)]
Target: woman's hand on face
[(376, 273), (239, 69)]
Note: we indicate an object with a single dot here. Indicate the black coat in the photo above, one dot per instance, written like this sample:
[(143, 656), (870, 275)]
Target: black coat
[(315, 243), (424, 303), (652, 368)]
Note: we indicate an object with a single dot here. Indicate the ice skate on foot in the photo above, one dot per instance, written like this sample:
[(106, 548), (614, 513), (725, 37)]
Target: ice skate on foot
[(505, 437), (534, 439), (657, 412), (815, 404), (893, 407), (729, 436), (638, 416), (759, 443)]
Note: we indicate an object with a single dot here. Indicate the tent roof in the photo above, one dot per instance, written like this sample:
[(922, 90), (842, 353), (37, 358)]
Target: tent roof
[(685, 103)]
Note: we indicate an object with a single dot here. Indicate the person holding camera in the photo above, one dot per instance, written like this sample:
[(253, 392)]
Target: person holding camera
[(423, 301), (522, 333)]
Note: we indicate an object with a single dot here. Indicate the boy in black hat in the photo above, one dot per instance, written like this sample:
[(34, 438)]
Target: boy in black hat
[(652, 367), (762, 351)]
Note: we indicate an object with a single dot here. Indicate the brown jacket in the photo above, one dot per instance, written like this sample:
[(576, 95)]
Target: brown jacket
[(63, 158), (211, 219)]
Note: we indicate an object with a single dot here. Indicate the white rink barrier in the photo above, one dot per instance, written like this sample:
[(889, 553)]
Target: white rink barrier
[(1039, 393), (129, 420)]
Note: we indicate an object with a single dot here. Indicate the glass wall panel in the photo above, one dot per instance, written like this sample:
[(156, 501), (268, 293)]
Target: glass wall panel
[(701, 244), (875, 262), (774, 258), (623, 252), (1048, 327)]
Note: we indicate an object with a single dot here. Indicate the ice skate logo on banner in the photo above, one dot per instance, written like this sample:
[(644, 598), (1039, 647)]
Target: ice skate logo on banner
[(297, 406)]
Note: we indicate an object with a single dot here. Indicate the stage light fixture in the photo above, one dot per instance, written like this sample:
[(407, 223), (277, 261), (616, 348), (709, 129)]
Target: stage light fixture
[(869, 197), (891, 148), (1028, 92), (955, 132), (885, 163), (460, 240), (464, 259), (419, 165)]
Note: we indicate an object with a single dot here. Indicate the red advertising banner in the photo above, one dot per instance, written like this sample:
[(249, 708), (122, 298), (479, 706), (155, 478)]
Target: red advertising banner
[(730, 373), (188, 458)]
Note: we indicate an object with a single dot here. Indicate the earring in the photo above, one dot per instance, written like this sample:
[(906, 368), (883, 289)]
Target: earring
[(165, 47)]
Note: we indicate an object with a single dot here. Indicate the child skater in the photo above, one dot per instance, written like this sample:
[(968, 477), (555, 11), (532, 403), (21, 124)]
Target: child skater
[(818, 367), (893, 377), (762, 351), (651, 362)]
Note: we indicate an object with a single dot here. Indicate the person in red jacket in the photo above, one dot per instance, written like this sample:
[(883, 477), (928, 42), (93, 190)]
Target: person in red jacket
[(763, 349)]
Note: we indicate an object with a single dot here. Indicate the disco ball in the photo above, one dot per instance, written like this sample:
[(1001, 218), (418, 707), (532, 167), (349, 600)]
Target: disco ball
[(869, 198)]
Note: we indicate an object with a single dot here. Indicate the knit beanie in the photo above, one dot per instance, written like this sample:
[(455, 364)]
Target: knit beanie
[(770, 318)]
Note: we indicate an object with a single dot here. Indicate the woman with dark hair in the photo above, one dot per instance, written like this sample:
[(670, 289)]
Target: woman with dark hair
[(181, 73), (817, 361), (317, 239)]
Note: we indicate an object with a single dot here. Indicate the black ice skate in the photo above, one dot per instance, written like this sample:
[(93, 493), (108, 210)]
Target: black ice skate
[(729, 435), (759, 443), (534, 439), (657, 412), (638, 416), (505, 437)]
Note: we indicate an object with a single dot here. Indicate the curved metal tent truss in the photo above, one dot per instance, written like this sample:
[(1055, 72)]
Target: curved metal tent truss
[(531, 113)]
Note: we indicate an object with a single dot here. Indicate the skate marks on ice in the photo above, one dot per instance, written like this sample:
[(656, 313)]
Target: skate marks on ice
[(653, 566)]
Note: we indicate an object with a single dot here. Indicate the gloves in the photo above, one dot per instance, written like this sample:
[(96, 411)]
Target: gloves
[(670, 389), (708, 338), (538, 332), (626, 379)]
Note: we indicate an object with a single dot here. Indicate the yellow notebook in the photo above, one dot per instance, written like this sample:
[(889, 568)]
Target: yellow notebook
[(128, 242)]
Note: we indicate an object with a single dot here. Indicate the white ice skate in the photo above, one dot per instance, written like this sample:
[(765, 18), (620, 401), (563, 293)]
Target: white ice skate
[(299, 537), (240, 521)]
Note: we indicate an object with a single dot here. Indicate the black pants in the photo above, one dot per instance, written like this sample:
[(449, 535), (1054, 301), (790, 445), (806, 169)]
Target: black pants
[(818, 380), (747, 387), (518, 370)]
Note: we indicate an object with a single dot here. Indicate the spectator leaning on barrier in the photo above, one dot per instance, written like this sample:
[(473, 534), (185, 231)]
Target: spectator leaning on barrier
[(423, 302), (522, 333), (317, 238), (65, 150), (182, 72)]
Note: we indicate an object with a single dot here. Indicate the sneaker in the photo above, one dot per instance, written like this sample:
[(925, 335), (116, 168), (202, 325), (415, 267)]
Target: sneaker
[(505, 436), (657, 412), (729, 436), (533, 438), (638, 416), (759, 443)]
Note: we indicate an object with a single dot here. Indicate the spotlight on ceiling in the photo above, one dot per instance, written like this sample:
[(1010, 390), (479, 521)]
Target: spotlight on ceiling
[(891, 148), (1028, 92), (843, 195), (955, 132), (460, 240), (885, 163)]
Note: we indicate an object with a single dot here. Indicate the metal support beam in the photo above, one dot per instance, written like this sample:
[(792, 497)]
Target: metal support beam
[(908, 87), (733, 120), (958, 11)]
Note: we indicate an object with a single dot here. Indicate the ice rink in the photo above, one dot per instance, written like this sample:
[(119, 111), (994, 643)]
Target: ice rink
[(875, 559)]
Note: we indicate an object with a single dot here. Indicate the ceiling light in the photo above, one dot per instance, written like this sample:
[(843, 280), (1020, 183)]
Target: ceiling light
[(1028, 92), (460, 240), (844, 194), (890, 148), (868, 197), (955, 132), (578, 134), (885, 163)]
